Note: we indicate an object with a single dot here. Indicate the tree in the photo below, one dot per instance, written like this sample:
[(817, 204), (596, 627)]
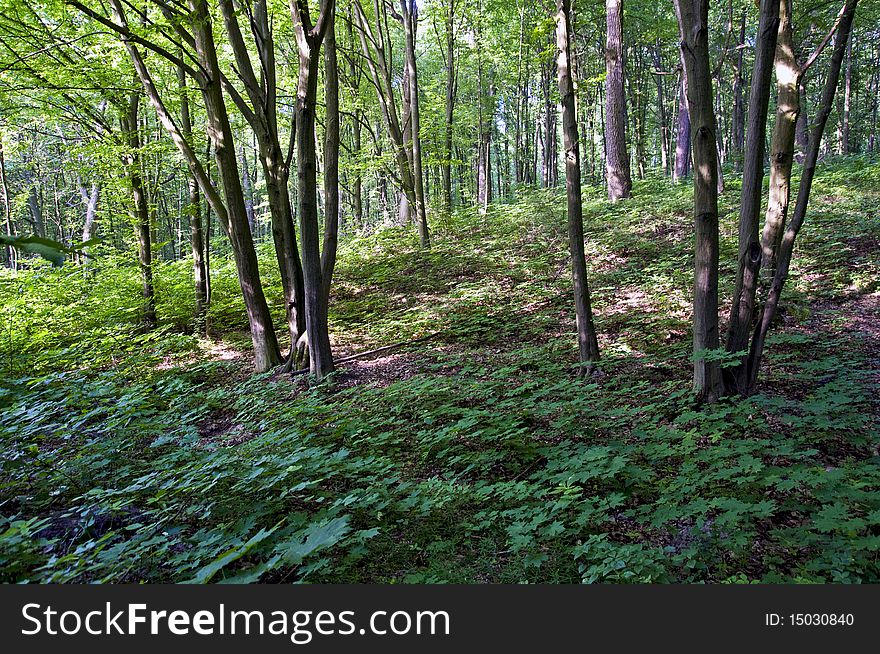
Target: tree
[(309, 37), (693, 19), (588, 346), (616, 156)]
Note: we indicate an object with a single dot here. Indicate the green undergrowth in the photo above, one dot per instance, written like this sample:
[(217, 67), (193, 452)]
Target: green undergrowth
[(477, 456)]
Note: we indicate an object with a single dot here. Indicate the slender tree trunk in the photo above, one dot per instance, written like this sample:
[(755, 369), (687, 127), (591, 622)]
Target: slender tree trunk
[(662, 118), (7, 213), (786, 249), (588, 346), (331, 160), (130, 127), (616, 157), (738, 116), (409, 11), (450, 104), (309, 38), (693, 20), (90, 199), (742, 309), (782, 138), (847, 101), (248, 190), (802, 127), (682, 135), (194, 211), (36, 211)]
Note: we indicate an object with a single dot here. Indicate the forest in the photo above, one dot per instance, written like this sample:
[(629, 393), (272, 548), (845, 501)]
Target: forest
[(439, 291)]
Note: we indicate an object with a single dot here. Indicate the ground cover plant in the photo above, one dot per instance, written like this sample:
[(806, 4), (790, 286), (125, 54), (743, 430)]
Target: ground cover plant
[(476, 455)]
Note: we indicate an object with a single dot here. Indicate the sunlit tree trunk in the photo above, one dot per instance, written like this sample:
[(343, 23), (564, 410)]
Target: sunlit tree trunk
[(786, 248), (782, 139), (749, 259)]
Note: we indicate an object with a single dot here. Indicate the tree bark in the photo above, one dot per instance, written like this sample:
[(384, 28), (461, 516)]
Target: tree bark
[(194, 210), (786, 248), (450, 104), (588, 346), (693, 20), (738, 115), (309, 37), (782, 138), (682, 135), (617, 167), (331, 160), (409, 13), (130, 128), (742, 309)]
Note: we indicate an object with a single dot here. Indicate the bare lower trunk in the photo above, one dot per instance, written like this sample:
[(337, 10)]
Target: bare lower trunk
[(588, 346), (786, 248), (309, 38), (749, 261), (693, 22)]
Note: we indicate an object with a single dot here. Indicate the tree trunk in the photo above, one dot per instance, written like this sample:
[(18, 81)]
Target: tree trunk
[(331, 160), (450, 104), (248, 191), (782, 138), (847, 101), (749, 261), (802, 127), (588, 346), (409, 11), (130, 127), (194, 210), (662, 119), (693, 20), (616, 157), (786, 249), (738, 116), (682, 135), (7, 213), (309, 38)]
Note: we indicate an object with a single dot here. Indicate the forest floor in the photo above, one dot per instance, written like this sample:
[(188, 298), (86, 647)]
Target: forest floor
[(477, 455)]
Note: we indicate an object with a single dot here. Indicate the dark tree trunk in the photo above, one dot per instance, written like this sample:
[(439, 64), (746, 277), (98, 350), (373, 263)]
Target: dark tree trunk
[(693, 19), (130, 128), (309, 38), (194, 211), (786, 248), (749, 260), (588, 346), (616, 157)]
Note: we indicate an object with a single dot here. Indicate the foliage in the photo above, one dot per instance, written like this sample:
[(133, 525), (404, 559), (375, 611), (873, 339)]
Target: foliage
[(477, 456)]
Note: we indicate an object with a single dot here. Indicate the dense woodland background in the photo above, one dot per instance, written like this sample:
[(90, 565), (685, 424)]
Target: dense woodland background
[(439, 291)]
